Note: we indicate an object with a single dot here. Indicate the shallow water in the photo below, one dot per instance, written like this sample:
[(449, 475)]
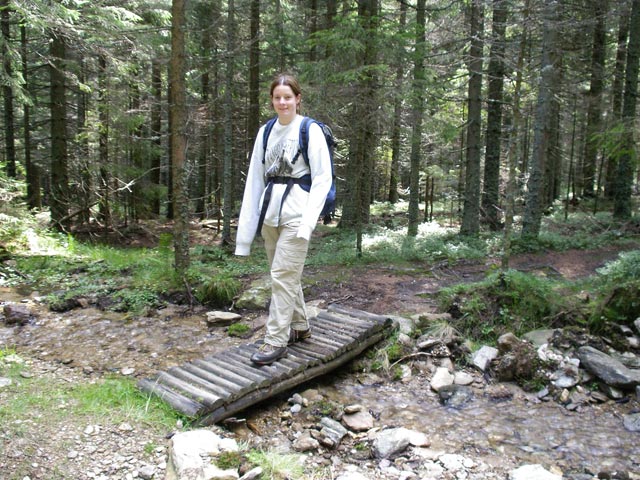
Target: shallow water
[(506, 433), (509, 432)]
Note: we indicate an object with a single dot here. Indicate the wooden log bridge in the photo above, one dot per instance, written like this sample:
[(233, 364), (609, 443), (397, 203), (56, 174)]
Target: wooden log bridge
[(214, 388)]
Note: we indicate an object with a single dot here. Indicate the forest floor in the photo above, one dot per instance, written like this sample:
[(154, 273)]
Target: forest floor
[(85, 344)]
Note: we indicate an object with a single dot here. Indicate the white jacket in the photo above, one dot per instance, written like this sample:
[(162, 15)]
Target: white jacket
[(300, 207)]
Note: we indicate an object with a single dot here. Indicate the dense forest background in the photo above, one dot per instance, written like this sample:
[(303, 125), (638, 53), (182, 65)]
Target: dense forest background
[(496, 111)]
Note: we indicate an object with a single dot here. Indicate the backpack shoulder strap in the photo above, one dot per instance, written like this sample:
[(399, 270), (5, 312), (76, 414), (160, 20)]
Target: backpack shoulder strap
[(265, 134), (305, 124)]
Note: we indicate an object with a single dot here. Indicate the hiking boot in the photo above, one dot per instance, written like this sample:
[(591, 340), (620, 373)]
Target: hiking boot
[(298, 335), (267, 354)]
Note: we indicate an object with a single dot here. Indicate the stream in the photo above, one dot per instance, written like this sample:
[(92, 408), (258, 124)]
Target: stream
[(504, 433), (521, 430)]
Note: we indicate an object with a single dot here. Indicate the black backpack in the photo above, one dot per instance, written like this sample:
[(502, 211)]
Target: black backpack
[(305, 181)]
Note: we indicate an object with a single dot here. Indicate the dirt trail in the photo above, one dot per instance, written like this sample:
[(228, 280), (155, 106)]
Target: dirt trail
[(97, 341)]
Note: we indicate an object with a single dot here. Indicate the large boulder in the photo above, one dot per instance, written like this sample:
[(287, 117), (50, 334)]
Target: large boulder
[(15, 314), (608, 369), (257, 296)]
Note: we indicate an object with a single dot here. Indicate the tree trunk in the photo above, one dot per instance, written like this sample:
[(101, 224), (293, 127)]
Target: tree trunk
[(156, 134), (7, 90), (396, 129), (253, 123), (491, 195), (227, 185), (178, 108), (85, 189), (512, 150), (59, 198), (594, 97), (617, 90), (362, 144), (624, 172), (34, 197), (553, 165), (471, 210), (543, 122), (416, 119), (103, 143), (204, 123)]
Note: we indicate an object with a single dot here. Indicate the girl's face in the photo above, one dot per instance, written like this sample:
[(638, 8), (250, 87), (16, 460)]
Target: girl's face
[(285, 103)]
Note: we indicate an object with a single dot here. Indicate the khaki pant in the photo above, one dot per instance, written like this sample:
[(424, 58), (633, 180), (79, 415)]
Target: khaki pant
[(286, 254)]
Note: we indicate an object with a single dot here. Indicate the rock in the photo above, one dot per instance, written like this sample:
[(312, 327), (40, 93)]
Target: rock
[(221, 319), (4, 382), (305, 442), (608, 369), (252, 474), (147, 472), (404, 339), (462, 378), (499, 393), (358, 422), (351, 476), (441, 378), (636, 323), (543, 393), (418, 439), (455, 396), (598, 397), (632, 422), (312, 395), (296, 399), (405, 373), (257, 296), (391, 442), (533, 472), (189, 451), (349, 409), (566, 378), (628, 359), (406, 326), (521, 362), (332, 432), (428, 318), (507, 342), (455, 463), (483, 357), (546, 354), (16, 314), (611, 392), (539, 337)]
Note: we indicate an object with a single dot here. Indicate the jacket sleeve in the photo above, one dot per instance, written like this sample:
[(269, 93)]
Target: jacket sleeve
[(250, 209), (321, 179)]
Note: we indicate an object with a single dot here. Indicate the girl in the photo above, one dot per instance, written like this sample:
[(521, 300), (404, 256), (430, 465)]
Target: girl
[(286, 212)]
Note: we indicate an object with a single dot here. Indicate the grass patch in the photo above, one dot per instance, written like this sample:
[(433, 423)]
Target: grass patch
[(277, 466), (504, 302), (238, 330), (617, 293), (219, 291), (110, 400)]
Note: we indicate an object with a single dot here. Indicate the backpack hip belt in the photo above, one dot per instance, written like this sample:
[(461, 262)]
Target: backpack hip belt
[(304, 182)]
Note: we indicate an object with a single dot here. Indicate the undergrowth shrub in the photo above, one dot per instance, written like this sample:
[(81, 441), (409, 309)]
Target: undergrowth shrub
[(618, 292), (218, 290), (509, 301)]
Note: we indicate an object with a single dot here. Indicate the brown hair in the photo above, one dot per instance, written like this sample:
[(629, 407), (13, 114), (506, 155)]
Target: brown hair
[(286, 79)]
